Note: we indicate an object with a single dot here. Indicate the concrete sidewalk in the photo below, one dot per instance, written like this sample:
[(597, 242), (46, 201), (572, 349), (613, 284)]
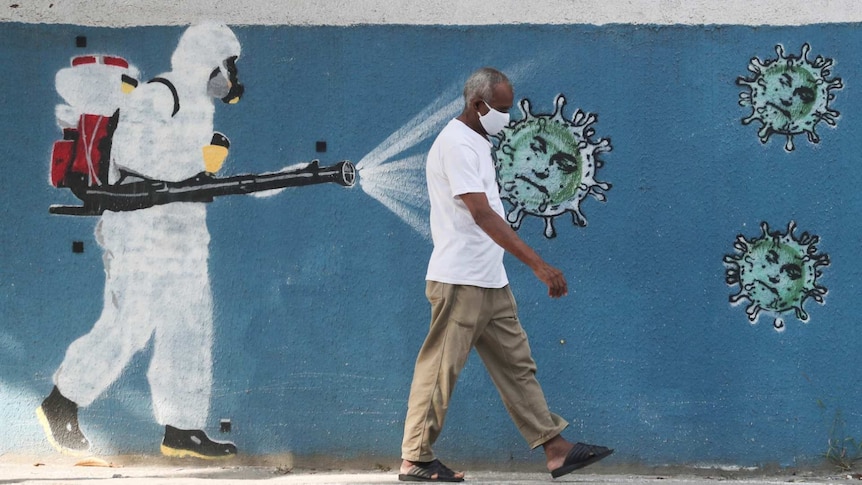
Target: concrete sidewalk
[(244, 476), (69, 471)]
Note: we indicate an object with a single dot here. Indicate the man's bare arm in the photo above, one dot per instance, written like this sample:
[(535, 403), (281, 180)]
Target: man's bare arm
[(502, 234)]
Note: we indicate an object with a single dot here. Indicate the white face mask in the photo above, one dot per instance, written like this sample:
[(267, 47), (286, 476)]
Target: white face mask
[(493, 121)]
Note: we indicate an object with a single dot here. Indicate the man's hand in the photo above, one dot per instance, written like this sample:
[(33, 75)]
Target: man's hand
[(502, 234), (554, 278)]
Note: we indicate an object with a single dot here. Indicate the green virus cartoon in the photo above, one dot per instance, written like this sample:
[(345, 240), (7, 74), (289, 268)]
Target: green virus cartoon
[(789, 95), (776, 273), (546, 165)]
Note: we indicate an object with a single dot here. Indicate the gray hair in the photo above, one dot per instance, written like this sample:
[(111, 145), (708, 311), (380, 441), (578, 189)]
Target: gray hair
[(481, 84)]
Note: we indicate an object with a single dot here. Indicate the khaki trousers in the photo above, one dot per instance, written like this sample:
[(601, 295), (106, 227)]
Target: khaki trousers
[(463, 317)]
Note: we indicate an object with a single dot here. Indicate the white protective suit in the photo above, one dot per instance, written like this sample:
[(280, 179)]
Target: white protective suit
[(157, 281)]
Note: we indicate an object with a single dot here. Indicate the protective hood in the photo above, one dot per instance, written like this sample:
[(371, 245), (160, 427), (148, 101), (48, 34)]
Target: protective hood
[(205, 46)]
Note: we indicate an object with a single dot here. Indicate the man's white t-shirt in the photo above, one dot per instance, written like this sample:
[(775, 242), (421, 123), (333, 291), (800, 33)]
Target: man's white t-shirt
[(459, 163)]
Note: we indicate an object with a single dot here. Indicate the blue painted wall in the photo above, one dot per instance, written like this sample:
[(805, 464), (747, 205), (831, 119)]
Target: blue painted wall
[(319, 290)]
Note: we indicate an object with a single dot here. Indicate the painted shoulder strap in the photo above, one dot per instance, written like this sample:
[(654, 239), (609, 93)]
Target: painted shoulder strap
[(173, 89)]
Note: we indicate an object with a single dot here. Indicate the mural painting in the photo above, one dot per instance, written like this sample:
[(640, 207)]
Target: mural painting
[(776, 273), (546, 165), (289, 316), (790, 95), (143, 157)]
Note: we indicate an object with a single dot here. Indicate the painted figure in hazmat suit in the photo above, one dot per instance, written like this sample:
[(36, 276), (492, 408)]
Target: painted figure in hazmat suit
[(157, 285)]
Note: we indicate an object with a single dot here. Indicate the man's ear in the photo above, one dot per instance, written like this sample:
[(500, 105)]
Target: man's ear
[(476, 103)]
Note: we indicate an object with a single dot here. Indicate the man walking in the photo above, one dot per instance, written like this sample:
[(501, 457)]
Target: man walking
[(471, 303)]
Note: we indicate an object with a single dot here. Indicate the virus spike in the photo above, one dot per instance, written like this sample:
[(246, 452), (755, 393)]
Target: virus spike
[(515, 217), (550, 232), (596, 189), (764, 133), (756, 67), (805, 50), (559, 102), (753, 311), (828, 117), (578, 218), (524, 106)]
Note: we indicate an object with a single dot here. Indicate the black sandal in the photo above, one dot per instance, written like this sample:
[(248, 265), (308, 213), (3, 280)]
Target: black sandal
[(424, 471), (580, 456)]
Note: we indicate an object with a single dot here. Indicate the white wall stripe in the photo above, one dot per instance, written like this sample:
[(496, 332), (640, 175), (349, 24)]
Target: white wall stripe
[(122, 13)]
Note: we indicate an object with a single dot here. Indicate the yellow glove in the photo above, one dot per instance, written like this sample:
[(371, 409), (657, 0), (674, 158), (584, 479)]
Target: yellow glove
[(216, 152)]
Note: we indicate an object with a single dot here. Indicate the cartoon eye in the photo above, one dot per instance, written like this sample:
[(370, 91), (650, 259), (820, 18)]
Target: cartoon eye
[(772, 256), (805, 93), (539, 145), (567, 162), (793, 271)]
